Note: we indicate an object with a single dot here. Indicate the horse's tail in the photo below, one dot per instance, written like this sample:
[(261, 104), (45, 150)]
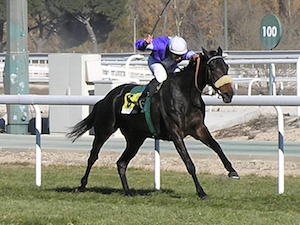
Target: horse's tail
[(104, 110), (83, 126)]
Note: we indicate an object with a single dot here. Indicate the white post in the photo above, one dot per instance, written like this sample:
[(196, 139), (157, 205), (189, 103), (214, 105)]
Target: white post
[(280, 150), (130, 58), (156, 165), (281, 87), (250, 85), (298, 82), (38, 151), (272, 77)]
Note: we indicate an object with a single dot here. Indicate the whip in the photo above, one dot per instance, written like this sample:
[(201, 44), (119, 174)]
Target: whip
[(155, 25)]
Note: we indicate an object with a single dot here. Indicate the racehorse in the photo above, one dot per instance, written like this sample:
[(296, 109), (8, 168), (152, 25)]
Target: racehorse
[(177, 110)]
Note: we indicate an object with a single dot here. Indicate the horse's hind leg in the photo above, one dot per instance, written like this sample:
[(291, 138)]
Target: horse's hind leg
[(97, 144), (204, 135), (132, 146)]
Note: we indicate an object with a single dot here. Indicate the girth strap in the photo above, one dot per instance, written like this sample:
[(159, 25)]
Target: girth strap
[(147, 111)]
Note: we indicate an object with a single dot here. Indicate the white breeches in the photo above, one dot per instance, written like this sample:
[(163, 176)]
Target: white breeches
[(158, 71)]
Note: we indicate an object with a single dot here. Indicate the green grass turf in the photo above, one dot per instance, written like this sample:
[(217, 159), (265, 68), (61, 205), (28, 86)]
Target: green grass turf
[(251, 200)]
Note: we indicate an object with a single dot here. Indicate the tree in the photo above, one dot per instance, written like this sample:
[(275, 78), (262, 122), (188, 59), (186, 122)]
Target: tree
[(179, 11), (2, 21), (89, 13), (204, 26), (41, 24)]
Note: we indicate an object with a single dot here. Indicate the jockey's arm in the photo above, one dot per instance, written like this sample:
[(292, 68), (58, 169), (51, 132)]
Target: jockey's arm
[(144, 44), (190, 55)]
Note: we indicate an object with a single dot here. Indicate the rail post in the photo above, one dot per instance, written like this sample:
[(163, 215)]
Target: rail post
[(38, 151), (272, 75), (298, 82), (156, 165), (280, 150)]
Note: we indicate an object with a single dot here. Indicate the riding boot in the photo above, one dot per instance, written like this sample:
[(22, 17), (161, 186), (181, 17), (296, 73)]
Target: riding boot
[(149, 91), (153, 87)]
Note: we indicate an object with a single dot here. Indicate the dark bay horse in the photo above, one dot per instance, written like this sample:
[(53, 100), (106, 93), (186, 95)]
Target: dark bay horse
[(177, 110)]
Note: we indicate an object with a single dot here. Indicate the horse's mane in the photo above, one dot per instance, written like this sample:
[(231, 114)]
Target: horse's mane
[(192, 64)]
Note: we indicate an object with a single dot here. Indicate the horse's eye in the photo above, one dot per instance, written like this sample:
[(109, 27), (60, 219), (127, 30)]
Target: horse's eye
[(212, 67)]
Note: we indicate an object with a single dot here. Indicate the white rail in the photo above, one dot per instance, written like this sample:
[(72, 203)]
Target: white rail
[(42, 58), (116, 66), (34, 70), (276, 101)]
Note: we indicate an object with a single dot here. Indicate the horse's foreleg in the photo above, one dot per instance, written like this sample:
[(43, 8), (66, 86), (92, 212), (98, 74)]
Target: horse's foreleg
[(97, 144), (204, 136), (132, 147), (181, 149)]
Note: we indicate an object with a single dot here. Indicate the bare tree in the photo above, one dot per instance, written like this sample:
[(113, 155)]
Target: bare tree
[(180, 13), (85, 19)]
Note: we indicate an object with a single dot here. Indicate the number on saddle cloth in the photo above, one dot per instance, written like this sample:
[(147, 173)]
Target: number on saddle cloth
[(131, 105)]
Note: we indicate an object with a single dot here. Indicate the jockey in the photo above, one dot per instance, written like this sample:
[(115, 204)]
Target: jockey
[(166, 53)]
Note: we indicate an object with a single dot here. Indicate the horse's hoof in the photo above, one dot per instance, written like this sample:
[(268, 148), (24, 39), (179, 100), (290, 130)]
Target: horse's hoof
[(234, 175), (128, 195), (79, 189), (205, 197)]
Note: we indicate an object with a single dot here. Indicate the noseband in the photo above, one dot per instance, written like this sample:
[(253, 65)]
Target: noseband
[(220, 82)]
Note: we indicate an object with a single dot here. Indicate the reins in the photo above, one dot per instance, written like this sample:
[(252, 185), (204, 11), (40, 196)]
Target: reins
[(196, 74)]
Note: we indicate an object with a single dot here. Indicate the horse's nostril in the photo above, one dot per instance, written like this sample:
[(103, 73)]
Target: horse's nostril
[(227, 97)]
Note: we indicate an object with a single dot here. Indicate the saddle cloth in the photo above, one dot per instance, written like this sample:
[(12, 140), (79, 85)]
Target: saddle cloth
[(131, 106), (131, 98)]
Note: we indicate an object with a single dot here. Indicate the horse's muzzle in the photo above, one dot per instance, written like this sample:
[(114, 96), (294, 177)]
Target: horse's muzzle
[(226, 92), (226, 97)]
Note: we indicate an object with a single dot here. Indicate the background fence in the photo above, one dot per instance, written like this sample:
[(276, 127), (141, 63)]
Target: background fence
[(249, 69)]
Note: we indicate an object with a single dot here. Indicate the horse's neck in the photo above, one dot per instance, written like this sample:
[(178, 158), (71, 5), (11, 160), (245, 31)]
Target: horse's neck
[(188, 77), (202, 76)]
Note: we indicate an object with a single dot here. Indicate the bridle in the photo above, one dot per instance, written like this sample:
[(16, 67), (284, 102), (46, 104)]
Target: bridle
[(220, 82), (213, 58)]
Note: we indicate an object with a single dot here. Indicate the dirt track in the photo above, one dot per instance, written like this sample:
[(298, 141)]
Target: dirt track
[(205, 163), (264, 128)]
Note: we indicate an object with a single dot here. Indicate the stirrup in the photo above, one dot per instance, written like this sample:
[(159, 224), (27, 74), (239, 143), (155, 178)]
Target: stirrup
[(142, 102)]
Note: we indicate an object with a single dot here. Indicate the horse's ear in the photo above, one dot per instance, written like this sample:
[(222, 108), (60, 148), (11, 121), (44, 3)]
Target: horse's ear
[(205, 52), (220, 51)]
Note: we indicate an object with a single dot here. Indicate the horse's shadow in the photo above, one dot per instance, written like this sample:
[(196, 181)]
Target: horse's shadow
[(109, 190)]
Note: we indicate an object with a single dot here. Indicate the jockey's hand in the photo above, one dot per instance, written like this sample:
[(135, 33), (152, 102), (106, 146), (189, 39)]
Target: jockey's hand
[(149, 38), (195, 57)]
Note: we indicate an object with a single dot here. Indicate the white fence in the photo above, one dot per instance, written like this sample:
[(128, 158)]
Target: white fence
[(113, 64), (276, 101), (35, 71)]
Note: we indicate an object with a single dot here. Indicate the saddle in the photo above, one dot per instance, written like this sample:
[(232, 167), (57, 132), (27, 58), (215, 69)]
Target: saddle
[(131, 101), (131, 106), (135, 100)]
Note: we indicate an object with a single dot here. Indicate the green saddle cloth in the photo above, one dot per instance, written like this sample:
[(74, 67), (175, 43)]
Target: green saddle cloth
[(131, 106)]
